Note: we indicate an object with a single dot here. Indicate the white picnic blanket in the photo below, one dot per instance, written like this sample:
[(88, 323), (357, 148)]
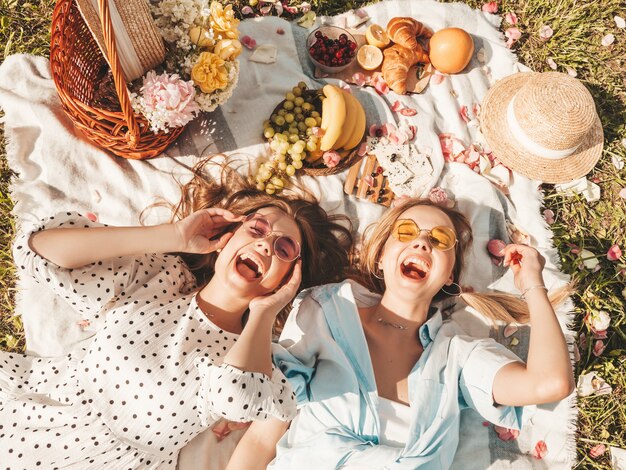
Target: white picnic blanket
[(57, 170)]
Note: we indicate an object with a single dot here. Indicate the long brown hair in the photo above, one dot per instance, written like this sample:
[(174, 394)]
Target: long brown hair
[(495, 306), (326, 239)]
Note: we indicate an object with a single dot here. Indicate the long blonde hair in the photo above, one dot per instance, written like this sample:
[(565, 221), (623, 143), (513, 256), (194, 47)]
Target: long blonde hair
[(495, 306), (326, 239)]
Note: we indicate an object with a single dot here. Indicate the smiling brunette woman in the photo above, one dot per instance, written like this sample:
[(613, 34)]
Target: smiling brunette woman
[(380, 378), (152, 377)]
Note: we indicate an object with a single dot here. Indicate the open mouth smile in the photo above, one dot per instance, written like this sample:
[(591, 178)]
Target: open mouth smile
[(249, 266), (415, 268)]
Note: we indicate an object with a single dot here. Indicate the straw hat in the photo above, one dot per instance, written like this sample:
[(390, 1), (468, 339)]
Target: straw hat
[(139, 43), (543, 125)]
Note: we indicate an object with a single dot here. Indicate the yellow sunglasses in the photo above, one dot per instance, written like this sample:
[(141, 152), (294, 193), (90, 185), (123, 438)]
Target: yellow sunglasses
[(440, 238)]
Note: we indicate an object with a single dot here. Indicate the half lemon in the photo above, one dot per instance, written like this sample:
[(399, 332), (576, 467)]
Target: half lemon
[(376, 36), (369, 57)]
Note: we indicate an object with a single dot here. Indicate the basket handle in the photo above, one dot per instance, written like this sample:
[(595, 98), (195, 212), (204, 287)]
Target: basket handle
[(132, 136)]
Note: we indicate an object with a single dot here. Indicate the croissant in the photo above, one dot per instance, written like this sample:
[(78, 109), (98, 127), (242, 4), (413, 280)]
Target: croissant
[(404, 31), (397, 62)]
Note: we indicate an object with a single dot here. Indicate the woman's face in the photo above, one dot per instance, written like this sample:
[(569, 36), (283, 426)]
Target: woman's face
[(415, 268), (248, 263)]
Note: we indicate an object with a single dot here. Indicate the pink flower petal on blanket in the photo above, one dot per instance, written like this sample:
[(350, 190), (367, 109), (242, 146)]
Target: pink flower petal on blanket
[(597, 450), (506, 434), (398, 137), (408, 112), (388, 128), (344, 86), (84, 324), (476, 110), (545, 32), (437, 79), (598, 348), (413, 130), (600, 334), (510, 330), (363, 149), (247, 10), (486, 424), (490, 7), (369, 180), (513, 34), (463, 112), (359, 79), (495, 248), (280, 31), (379, 84), (541, 449), (614, 253), (396, 106), (91, 216), (510, 18), (248, 42)]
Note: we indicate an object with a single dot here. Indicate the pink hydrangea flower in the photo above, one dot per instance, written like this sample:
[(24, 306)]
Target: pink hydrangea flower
[(490, 7), (331, 158), (168, 101)]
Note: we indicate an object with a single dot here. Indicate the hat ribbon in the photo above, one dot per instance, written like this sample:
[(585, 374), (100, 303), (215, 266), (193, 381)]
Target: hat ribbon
[(529, 144), (129, 60)]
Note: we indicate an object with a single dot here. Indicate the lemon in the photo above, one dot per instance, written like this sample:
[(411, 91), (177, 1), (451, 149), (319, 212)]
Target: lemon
[(369, 57), (376, 36)]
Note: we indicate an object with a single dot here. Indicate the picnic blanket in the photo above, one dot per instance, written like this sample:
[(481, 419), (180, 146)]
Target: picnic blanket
[(57, 170)]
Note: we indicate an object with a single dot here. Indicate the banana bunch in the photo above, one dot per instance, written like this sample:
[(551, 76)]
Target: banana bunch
[(343, 120)]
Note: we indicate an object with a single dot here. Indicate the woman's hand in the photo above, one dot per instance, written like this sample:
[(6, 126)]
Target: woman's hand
[(527, 265), (273, 303), (198, 231)]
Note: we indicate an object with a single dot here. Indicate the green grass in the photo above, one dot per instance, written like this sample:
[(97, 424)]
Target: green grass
[(578, 28)]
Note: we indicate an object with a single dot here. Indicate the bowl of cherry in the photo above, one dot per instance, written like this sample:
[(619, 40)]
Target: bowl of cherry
[(331, 48)]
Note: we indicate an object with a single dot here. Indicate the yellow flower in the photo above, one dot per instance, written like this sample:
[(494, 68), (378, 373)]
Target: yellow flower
[(201, 37), (223, 21), (227, 49), (209, 73)]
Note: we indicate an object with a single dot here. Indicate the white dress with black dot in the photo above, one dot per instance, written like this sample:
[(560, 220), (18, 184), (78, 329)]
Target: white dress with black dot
[(149, 380)]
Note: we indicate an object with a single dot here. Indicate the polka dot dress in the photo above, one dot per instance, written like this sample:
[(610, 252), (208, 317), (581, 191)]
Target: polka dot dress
[(149, 380)]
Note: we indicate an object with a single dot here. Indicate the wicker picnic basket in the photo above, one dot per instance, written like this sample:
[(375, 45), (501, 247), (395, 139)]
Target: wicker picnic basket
[(79, 70)]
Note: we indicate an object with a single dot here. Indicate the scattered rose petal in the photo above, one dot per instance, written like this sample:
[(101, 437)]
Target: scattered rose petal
[(398, 137), (622, 193), (514, 342), (379, 84), (617, 161), (624, 292), (619, 22), (413, 130), (513, 34), (588, 189), (597, 450), (583, 340), (614, 253), (571, 72), (600, 334), (331, 158), (397, 106), (441, 197), (437, 79), (280, 31), (266, 9), (588, 259), (363, 149), (463, 113), (486, 424), (91, 216), (496, 247), (247, 10), (510, 18), (248, 42), (516, 234), (359, 79), (506, 434), (369, 180), (344, 86), (576, 350), (551, 63), (305, 7), (290, 10), (545, 32), (408, 112), (548, 215), (83, 324), (598, 320), (490, 7), (598, 348), (510, 330), (607, 40), (476, 110), (592, 384), (540, 451)]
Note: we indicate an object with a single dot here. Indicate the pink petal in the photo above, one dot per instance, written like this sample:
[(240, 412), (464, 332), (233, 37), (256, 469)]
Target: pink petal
[(496, 247), (265, 10), (408, 112), (571, 72), (83, 323), (363, 149), (540, 451), (388, 128), (614, 253), (369, 180), (379, 84), (548, 215), (551, 63), (598, 348), (290, 10), (597, 450), (486, 424), (397, 106), (437, 79), (510, 330), (490, 7), (600, 334), (248, 42), (280, 31), (247, 10), (359, 79), (582, 339), (511, 18), (622, 193), (513, 34), (545, 32), (506, 434), (463, 113), (317, 131), (497, 261), (344, 86), (608, 40), (91, 216), (398, 137), (413, 130), (279, 8), (576, 352), (476, 110), (305, 7)]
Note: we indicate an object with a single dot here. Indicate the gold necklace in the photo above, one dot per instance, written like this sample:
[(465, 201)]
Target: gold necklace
[(397, 326)]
